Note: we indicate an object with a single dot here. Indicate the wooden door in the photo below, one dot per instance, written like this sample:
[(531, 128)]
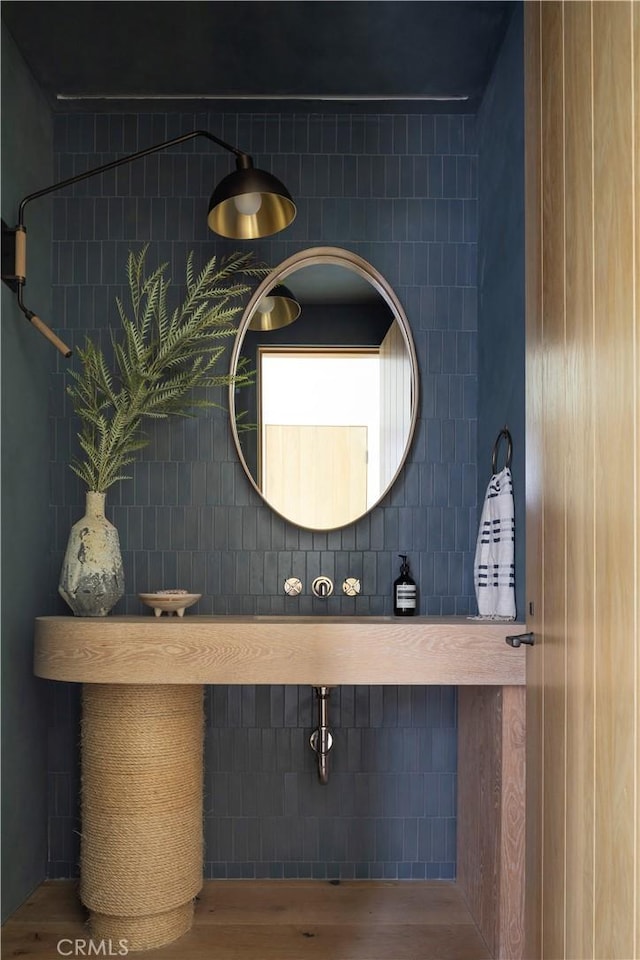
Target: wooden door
[(583, 499)]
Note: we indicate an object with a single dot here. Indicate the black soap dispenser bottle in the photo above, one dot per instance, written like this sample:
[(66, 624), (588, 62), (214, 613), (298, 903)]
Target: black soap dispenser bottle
[(405, 591)]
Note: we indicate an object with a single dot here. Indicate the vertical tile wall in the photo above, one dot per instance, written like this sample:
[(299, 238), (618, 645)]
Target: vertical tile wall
[(387, 811), (501, 308), (400, 191)]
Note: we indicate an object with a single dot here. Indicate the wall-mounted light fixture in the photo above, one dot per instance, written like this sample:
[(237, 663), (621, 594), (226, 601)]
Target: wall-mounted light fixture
[(277, 309), (247, 204)]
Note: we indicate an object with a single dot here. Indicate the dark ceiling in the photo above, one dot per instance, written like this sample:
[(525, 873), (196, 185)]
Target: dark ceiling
[(122, 55)]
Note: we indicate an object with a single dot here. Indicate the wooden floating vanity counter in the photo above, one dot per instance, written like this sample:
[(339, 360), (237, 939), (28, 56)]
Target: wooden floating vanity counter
[(142, 741), (316, 650)]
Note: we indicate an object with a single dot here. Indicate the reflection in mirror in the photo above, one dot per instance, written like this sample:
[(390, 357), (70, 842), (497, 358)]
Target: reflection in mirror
[(328, 421), (277, 308)]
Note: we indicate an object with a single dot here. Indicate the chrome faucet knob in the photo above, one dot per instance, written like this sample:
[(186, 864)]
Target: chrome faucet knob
[(292, 586), (351, 586)]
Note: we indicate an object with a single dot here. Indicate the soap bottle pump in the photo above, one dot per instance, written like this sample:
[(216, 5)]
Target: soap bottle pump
[(405, 591)]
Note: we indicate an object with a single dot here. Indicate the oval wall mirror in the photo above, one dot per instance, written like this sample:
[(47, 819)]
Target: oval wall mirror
[(325, 427)]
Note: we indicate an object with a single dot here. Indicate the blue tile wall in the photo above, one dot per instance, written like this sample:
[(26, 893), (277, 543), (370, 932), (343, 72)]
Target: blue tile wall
[(387, 811), (501, 314), (400, 191)]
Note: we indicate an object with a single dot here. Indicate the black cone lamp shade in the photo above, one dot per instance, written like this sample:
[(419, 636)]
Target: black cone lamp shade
[(250, 203), (277, 309)]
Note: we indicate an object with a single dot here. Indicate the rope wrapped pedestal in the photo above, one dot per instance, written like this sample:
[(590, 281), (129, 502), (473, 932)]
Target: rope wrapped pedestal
[(142, 774)]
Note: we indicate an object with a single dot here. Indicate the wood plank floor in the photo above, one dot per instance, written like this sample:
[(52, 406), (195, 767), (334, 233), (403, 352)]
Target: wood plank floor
[(277, 920)]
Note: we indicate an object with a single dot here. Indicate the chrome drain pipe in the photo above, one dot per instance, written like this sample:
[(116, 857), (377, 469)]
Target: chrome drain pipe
[(321, 739)]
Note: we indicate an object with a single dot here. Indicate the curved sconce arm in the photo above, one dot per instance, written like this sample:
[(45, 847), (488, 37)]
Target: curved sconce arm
[(119, 162), (248, 203)]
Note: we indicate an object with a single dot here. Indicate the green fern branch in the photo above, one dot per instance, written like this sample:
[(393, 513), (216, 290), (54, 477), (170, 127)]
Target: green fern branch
[(164, 363)]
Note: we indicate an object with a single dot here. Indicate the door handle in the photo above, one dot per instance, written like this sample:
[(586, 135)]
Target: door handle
[(520, 638)]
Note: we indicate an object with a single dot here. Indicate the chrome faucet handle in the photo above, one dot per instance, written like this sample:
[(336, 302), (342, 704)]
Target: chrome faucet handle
[(351, 587), (292, 586)]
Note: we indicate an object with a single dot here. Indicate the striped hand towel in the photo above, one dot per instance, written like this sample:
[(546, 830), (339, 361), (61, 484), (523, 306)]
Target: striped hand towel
[(494, 567)]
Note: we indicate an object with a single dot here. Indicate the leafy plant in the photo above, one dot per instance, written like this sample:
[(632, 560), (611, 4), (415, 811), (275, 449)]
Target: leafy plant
[(163, 362)]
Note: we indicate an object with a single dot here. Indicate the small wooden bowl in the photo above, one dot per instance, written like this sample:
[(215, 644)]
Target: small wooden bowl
[(169, 603)]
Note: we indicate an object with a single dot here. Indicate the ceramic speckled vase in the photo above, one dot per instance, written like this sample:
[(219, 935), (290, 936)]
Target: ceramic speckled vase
[(92, 578)]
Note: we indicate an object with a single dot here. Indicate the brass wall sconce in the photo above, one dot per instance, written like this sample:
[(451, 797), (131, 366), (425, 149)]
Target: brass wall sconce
[(247, 204)]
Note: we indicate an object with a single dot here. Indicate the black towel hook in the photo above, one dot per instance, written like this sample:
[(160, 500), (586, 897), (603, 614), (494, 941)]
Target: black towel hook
[(494, 456)]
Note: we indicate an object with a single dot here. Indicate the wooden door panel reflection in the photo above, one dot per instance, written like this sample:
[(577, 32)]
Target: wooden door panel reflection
[(316, 476)]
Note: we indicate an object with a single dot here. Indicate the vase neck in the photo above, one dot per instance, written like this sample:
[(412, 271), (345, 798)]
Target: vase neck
[(95, 503)]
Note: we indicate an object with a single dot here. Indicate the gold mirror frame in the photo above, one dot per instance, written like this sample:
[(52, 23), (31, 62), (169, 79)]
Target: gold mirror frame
[(350, 261)]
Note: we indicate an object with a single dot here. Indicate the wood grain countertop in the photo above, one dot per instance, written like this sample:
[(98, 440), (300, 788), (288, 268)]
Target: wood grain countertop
[(316, 650)]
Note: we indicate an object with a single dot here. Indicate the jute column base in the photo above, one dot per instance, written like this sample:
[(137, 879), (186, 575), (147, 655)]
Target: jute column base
[(142, 775)]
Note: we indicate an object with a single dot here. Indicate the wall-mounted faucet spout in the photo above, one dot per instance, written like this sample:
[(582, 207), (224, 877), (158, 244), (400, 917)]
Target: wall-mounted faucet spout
[(321, 739)]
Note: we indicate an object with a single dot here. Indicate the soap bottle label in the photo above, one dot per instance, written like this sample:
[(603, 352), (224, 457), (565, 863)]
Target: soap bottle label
[(406, 596)]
